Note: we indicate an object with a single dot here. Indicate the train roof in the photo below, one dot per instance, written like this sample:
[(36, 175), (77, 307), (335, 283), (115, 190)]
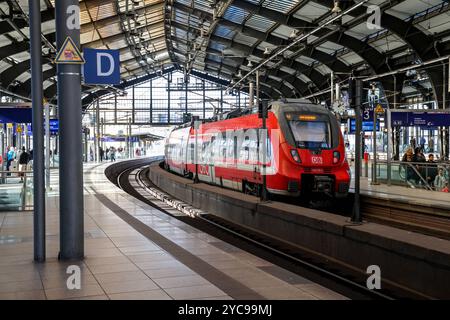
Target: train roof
[(295, 105)]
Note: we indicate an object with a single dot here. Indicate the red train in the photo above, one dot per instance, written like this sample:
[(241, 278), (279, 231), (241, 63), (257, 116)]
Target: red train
[(304, 151)]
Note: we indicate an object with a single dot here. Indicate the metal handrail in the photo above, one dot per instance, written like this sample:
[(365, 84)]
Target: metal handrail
[(25, 175), (427, 165)]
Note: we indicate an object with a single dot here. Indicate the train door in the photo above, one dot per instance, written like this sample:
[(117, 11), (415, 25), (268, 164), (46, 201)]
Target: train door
[(236, 178), (211, 159)]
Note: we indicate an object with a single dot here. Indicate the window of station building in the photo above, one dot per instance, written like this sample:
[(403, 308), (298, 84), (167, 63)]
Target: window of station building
[(164, 100)]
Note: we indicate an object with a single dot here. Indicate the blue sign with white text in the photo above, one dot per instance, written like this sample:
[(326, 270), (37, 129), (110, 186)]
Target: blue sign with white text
[(366, 126), (102, 66), (420, 119)]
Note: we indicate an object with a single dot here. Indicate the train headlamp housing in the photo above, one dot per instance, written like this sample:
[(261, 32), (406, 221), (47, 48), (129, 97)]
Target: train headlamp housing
[(295, 156), (336, 157)]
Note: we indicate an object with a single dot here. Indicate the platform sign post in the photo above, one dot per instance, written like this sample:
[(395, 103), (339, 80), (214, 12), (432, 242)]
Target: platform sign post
[(376, 110), (38, 132), (69, 62), (47, 146), (355, 86)]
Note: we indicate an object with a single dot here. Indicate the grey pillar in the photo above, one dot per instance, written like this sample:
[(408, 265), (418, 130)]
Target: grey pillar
[(71, 150), (38, 131), (47, 147), (356, 88)]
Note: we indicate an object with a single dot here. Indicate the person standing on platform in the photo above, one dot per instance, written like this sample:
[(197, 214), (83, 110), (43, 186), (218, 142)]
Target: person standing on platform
[(431, 169), (106, 155), (439, 180), (422, 143), (23, 162), (10, 156), (431, 145), (101, 153), (112, 154)]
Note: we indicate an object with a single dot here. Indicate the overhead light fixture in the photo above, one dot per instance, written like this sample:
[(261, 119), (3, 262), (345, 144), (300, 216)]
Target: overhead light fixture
[(336, 8), (293, 33), (239, 74), (266, 51), (249, 64)]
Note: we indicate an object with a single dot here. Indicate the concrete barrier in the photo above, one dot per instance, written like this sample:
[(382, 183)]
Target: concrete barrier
[(413, 261)]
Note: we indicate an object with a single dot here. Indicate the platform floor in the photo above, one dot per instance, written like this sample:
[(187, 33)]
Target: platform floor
[(405, 194), (166, 260)]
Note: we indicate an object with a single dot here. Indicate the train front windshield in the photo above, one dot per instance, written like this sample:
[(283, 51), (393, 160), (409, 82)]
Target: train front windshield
[(311, 134)]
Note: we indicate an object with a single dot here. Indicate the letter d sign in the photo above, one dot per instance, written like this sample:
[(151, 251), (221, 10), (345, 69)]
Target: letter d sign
[(101, 67)]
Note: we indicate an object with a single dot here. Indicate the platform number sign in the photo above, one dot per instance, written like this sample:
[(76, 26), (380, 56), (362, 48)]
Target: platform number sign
[(102, 66)]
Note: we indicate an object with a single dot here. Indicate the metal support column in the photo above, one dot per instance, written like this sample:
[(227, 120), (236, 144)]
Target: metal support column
[(374, 148), (47, 147), (168, 102), (151, 101), (332, 89), (38, 131), (130, 147), (264, 194), (97, 131), (250, 95), (196, 127), (389, 146), (204, 98), (71, 207), (390, 143), (356, 88)]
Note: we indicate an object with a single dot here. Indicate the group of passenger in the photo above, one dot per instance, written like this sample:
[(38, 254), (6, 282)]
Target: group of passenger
[(22, 156), (424, 170), (110, 153)]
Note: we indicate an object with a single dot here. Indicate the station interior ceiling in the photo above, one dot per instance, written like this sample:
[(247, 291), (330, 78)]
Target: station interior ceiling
[(222, 40)]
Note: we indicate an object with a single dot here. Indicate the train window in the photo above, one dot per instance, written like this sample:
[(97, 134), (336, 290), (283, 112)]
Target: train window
[(192, 153), (311, 134), (213, 145), (246, 148)]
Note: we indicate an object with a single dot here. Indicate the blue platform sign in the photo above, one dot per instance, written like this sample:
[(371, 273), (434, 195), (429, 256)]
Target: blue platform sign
[(102, 66), (420, 119), (366, 126)]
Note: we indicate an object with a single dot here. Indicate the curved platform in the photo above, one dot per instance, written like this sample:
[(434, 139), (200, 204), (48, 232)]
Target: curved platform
[(134, 251)]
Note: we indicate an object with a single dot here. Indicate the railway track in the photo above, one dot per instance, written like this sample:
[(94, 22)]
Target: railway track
[(415, 217), (132, 178)]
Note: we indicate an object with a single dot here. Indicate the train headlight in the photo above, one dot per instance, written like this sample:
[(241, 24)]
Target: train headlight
[(295, 156), (336, 157)]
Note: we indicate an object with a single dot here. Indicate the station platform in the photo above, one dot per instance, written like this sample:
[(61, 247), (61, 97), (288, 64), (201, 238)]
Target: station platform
[(412, 196), (165, 259)]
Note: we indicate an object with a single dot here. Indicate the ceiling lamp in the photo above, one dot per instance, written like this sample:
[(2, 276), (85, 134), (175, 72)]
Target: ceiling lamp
[(293, 33), (239, 74), (266, 51), (249, 64), (336, 8)]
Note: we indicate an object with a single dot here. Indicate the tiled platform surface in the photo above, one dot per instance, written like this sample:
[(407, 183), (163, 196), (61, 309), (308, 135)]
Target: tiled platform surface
[(121, 263)]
